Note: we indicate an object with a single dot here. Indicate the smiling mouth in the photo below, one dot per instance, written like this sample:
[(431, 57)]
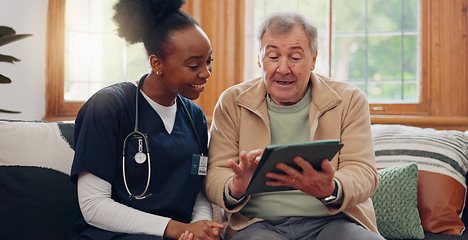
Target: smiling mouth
[(284, 82), (199, 86)]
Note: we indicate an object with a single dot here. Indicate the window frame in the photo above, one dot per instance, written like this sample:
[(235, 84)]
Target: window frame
[(421, 108), (442, 34), (443, 49)]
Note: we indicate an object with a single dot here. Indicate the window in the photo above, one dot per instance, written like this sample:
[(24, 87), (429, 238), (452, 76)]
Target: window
[(67, 89), (438, 73), (95, 56), (373, 44)]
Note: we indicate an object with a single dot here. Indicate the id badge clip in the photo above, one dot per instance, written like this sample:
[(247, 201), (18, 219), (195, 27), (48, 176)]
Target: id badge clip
[(199, 165)]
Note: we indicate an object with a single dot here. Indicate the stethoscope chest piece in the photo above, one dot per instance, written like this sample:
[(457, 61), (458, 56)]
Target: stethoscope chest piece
[(140, 157)]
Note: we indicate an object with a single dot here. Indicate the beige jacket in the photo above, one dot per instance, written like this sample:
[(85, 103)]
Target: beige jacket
[(337, 111)]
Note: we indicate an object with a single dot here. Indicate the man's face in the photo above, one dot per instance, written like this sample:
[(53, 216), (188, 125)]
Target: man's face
[(286, 61)]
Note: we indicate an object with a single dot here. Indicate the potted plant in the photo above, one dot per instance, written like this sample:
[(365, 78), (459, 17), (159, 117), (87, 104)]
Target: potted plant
[(8, 35)]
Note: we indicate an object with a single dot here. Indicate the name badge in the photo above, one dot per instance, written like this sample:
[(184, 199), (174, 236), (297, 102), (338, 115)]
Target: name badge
[(199, 165)]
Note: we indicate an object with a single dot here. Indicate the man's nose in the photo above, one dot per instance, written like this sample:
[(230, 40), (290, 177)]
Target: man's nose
[(283, 67)]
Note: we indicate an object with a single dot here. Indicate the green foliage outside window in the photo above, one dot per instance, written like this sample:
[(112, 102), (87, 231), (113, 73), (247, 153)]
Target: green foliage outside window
[(374, 45)]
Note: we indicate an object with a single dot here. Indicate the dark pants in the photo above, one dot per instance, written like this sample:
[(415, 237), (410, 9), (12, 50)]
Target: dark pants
[(338, 227)]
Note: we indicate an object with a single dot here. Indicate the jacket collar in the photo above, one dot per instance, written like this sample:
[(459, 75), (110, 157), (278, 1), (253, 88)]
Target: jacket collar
[(254, 96), (323, 95)]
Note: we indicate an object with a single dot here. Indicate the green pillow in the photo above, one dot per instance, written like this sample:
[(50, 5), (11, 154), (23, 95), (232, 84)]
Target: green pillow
[(396, 201)]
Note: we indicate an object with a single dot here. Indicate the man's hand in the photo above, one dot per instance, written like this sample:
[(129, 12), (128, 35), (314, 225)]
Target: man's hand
[(319, 184), (243, 171)]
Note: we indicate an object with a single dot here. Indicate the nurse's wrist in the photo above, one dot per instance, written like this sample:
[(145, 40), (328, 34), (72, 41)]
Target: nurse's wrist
[(174, 229)]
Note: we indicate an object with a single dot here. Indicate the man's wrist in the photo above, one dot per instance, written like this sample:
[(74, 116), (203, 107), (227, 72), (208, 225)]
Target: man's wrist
[(332, 197), (231, 200)]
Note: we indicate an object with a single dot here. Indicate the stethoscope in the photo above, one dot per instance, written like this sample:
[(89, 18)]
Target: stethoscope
[(140, 157)]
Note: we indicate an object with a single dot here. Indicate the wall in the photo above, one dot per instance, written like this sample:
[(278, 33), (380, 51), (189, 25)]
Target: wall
[(26, 93)]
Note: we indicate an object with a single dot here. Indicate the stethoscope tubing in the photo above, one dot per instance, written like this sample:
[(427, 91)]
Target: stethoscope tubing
[(143, 195), (136, 132)]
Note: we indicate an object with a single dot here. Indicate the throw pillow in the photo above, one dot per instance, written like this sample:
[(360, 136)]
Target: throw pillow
[(37, 143), (396, 203), (442, 161)]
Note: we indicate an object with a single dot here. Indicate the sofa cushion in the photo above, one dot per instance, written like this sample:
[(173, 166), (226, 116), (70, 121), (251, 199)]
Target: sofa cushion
[(37, 194), (40, 203), (396, 203), (442, 161)]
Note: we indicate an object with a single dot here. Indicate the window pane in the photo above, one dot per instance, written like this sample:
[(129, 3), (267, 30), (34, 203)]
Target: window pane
[(376, 47), (112, 61), (348, 16), (381, 18), (411, 15), (349, 60), (77, 15), (95, 56), (136, 63), (384, 57)]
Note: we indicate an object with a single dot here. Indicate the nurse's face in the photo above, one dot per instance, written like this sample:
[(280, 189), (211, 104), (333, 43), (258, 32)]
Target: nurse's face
[(187, 66)]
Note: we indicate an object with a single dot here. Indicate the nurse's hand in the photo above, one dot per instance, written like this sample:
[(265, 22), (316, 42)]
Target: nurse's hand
[(200, 230), (205, 230), (243, 172)]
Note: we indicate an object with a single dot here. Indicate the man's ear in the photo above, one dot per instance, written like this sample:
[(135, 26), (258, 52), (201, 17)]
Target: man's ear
[(156, 64), (314, 59)]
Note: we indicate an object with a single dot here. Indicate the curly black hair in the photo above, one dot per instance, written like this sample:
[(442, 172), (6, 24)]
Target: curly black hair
[(151, 22)]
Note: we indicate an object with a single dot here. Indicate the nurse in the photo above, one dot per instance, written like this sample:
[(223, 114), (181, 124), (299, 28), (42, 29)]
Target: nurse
[(157, 195)]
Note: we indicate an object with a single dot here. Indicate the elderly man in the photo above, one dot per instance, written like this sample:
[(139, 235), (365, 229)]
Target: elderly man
[(291, 104)]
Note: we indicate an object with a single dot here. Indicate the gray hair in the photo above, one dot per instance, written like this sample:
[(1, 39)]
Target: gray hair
[(283, 22)]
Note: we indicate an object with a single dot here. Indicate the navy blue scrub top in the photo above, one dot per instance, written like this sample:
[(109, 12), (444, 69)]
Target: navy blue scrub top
[(100, 129)]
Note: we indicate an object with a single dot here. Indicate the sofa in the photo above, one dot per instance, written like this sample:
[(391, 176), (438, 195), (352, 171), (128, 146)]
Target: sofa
[(38, 200)]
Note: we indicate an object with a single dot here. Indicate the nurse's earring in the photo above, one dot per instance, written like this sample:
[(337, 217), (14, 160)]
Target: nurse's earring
[(156, 64)]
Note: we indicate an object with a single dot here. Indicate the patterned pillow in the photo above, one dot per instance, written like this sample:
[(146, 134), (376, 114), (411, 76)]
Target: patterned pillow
[(442, 161), (396, 203), (38, 199)]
